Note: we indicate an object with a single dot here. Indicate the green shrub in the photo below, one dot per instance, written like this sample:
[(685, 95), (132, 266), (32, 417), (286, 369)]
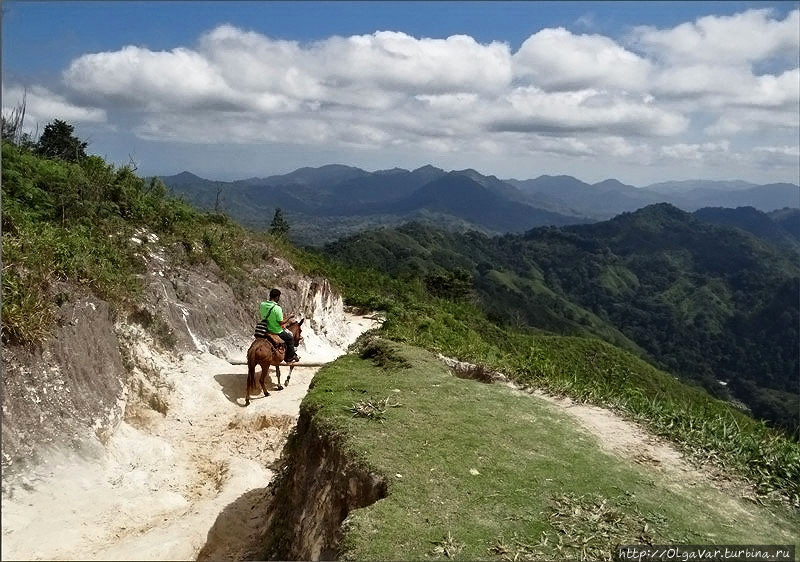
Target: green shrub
[(71, 222), (384, 355)]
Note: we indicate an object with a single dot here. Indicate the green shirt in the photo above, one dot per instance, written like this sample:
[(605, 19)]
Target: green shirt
[(275, 316)]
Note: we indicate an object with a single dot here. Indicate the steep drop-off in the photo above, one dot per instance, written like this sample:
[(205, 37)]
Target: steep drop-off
[(300, 516)]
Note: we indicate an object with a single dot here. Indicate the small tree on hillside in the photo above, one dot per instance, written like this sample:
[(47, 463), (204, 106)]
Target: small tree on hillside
[(455, 285), (279, 226), (57, 141)]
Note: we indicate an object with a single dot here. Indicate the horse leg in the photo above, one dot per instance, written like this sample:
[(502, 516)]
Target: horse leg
[(289, 376), (278, 374), (264, 372), (251, 381)]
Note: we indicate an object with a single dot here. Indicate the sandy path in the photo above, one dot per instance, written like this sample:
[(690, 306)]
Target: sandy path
[(655, 456), (163, 480)]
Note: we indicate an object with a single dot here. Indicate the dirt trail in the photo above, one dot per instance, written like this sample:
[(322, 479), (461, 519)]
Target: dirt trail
[(656, 456), (163, 480), (662, 461)]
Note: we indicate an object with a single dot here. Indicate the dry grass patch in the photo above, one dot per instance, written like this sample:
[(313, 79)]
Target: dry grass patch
[(447, 547), (373, 409), (586, 526)]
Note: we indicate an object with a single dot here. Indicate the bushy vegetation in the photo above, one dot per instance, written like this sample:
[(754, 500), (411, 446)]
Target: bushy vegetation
[(585, 368), (383, 354), (68, 225)]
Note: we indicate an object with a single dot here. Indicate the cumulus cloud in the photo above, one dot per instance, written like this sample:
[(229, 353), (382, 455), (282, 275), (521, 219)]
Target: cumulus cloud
[(42, 106), (530, 109), (238, 67), (387, 87), (754, 120), (139, 78), (560, 93), (556, 59), (747, 37)]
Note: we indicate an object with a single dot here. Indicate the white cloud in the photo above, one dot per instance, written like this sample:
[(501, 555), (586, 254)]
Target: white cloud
[(738, 120), (397, 61), (695, 152), (156, 80), (697, 80), (531, 109), (42, 106), (581, 96), (746, 37), (769, 91), (404, 89), (250, 71), (720, 87), (555, 59)]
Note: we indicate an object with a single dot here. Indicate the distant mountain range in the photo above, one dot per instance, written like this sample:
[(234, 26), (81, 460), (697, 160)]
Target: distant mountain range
[(328, 202)]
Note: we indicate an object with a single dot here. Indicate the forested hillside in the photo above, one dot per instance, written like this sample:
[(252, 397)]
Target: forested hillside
[(775, 228), (710, 303)]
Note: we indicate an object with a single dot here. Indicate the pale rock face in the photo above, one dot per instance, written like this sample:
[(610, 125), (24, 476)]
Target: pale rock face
[(324, 331)]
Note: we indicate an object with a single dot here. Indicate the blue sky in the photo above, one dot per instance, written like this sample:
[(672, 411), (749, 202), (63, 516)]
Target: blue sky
[(640, 91)]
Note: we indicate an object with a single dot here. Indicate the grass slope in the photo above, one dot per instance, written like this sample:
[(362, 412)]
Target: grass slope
[(68, 227), (482, 471), (705, 428)]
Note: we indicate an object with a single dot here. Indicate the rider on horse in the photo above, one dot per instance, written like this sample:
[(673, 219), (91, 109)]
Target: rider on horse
[(272, 322)]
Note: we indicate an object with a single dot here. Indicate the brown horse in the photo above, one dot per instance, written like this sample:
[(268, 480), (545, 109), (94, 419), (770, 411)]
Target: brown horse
[(265, 353)]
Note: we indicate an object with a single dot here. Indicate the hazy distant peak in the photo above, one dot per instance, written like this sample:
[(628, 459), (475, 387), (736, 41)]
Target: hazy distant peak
[(612, 183), (184, 178), (471, 174), (394, 170), (428, 168), (331, 167), (559, 177), (187, 175), (476, 175), (683, 186)]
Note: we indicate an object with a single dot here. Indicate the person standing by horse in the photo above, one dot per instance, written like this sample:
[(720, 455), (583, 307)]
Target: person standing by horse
[(272, 322)]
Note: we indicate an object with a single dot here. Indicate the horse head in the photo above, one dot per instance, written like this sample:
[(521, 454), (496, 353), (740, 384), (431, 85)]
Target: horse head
[(295, 328)]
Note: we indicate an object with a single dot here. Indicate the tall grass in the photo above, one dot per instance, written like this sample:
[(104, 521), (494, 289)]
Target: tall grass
[(586, 369), (68, 227)]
